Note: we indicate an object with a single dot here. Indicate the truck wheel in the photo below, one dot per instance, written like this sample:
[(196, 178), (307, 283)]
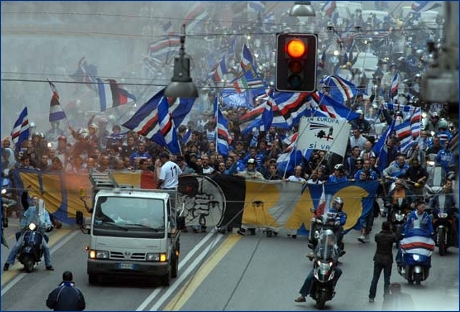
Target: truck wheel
[(166, 279), (93, 279), (174, 266)]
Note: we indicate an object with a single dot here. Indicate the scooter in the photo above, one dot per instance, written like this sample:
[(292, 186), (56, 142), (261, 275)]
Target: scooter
[(31, 250), (322, 288), (416, 254)]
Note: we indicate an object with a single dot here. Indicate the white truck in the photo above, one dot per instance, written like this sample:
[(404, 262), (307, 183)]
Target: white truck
[(133, 231)]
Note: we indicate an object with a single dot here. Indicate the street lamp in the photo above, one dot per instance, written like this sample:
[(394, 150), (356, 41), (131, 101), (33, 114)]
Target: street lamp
[(181, 84), (302, 8)]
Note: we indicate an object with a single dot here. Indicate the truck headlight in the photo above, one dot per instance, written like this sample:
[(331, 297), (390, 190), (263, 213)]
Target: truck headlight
[(98, 254), (158, 257)]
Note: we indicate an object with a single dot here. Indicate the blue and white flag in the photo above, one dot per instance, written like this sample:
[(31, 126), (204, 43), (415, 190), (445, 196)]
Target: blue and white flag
[(341, 90), (223, 137), (56, 112), (423, 6), (332, 108), (21, 130)]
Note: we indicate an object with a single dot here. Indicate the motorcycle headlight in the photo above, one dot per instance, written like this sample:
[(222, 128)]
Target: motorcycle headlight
[(399, 217), (442, 215), (32, 226), (416, 257)]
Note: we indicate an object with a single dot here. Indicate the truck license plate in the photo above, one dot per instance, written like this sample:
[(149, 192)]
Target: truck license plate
[(126, 266)]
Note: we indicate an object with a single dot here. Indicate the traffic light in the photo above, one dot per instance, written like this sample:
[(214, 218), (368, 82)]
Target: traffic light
[(296, 62)]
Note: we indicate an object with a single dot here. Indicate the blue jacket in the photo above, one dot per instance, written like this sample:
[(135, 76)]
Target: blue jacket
[(426, 224), (341, 215), (445, 159)]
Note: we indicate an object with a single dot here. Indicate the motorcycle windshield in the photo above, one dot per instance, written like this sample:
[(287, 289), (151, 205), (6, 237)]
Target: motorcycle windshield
[(326, 243)]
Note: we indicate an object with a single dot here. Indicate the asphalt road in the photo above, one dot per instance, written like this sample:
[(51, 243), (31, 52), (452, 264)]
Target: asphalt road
[(225, 272)]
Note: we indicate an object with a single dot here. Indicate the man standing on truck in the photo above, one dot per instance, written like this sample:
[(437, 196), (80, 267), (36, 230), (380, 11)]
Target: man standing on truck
[(169, 173)]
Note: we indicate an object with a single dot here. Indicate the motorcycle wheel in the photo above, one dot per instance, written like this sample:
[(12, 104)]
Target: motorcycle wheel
[(29, 263), (441, 243), (418, 278), (321, 301)]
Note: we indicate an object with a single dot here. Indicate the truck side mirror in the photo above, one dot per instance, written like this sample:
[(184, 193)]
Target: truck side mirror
[(79, 218)]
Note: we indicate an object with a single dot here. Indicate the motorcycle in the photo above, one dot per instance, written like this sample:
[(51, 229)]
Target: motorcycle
[(442, 225), (398, 217), (416, 255), (321, 223), (31, 250), (325, 263)]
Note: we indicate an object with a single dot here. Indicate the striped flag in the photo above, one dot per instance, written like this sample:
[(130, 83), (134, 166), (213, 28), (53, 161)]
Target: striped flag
[(404, 135), (112, 94), (223, 137), (416, 122), (332, 108), (56, 112), (21, 130), (195, 17), (219, 70), (145, 120), (341, 90), (291, 105), (86, 73), (423, 6), (380, 147), (394, 87), (321, 208), (164, 48), (329, 7), (167, 134)]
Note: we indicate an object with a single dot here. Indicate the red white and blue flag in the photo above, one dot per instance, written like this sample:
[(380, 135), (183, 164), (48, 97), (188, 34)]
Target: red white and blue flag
[(341, 90), (423, 6), (329, 8), (86, 73), (21, 130), (219, 70), (394, 87), (333, 109), (164, 48), (418, 245), (56, 112), (195, 17), (223, 137), (112, 94)]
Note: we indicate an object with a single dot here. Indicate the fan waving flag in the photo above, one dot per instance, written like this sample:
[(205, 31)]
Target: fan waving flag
[(328, 105), (21, 130), (56, 112), (112, 94), (167, 134), (86, 73)]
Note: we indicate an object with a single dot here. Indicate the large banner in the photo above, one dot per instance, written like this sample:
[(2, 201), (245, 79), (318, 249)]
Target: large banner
[(220, 200), (323, 133)]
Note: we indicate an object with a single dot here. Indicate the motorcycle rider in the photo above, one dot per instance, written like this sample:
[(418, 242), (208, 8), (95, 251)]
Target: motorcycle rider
[(340, 219), (35, 213), (326, 248), (417, 219), (445, 158), (451, 208), (399, 192)]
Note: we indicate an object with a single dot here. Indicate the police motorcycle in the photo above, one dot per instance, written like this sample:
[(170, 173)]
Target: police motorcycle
[(325, 260), (416, 256), (31, 250), (443, 217), (327, 221)]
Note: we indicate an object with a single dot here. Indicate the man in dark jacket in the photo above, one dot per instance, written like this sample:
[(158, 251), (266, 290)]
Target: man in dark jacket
[(383, 259), (66, 297)]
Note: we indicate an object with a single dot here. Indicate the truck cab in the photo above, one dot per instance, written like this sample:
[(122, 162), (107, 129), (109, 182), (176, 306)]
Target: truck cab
[(133, 231)]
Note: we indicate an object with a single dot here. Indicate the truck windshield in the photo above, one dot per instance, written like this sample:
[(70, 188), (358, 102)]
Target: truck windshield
[(129, 213)]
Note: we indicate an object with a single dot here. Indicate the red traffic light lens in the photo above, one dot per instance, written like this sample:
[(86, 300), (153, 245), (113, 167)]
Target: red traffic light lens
[(296, 48)]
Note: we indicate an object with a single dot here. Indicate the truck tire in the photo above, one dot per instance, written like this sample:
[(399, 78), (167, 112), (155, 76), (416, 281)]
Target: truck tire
[(166, 279), (93, 279), (174, 266)]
